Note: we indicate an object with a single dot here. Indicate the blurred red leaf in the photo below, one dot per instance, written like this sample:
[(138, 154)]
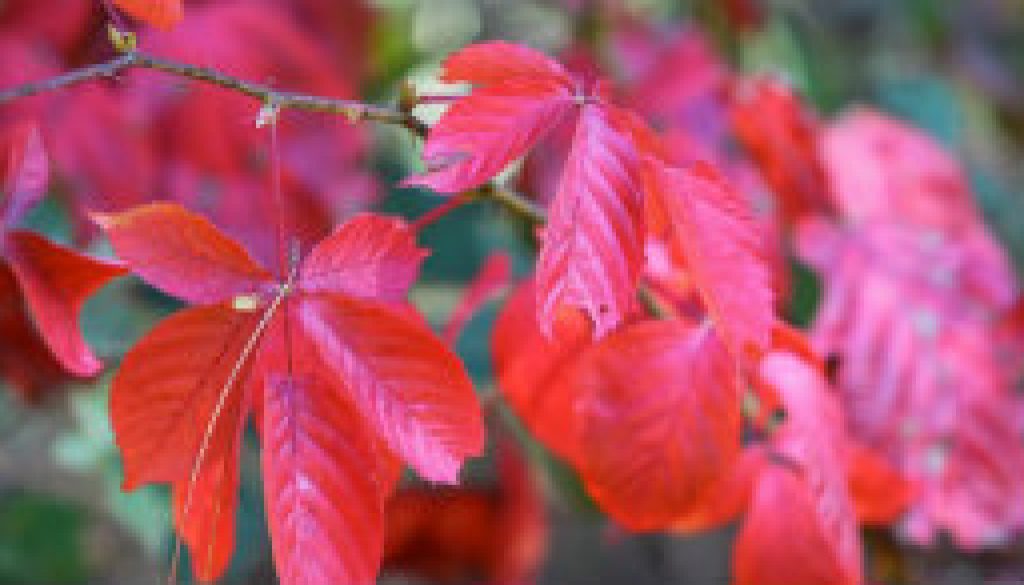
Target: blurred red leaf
[(879, 491), (729, 497), (214, 158), (801, 528), (781, 135), (910, 313), (490, 533), (881, 168), (53, 281), (159, 13), (533, 371)]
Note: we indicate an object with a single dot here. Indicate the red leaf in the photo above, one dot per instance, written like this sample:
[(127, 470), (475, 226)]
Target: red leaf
[(495, 62), (339, 383), (592, 250), (719, 238), (491, 533), (26, 175), (802, 525), (483, 132), (159, 13), (533, 372), (26, 364), (99, 150), (783, 541), (56, 282), (880, 492), (660, 404), (204, 509), (166, 392), (782, 137), (183, 254), (322, 502), (409, 386), (370, 256), (728, 498)]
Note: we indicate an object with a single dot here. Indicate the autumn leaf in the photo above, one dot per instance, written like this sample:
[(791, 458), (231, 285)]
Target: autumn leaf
[(801, 527), (491, 532), (660, 410), (592, 247), (878, 167), (159, 13), (781, 135), (53, 281), (592, 251), (494, 62), (908, 313), (533, 372), (723, 250), (330, 361)]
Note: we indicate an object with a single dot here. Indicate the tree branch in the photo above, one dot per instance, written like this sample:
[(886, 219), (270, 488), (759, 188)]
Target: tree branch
[(353, 110)]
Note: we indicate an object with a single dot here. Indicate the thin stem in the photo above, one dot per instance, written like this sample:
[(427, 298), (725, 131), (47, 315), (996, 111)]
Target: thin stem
[(515, 203), (438, 212)]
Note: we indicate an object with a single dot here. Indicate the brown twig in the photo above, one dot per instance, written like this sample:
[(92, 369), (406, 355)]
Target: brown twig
[(353, 110)]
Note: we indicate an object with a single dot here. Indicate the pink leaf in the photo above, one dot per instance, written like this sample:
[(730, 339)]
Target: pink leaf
[(802, 526), (592, 250), (782, 541), (27, 172), (719, 237), (370, 256), (321, 494)]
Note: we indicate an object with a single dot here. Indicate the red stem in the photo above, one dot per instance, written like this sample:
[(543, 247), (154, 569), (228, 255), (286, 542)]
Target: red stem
[(438, 212)]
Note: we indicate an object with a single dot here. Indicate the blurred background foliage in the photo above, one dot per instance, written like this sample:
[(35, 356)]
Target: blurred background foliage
[(952, 67)]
